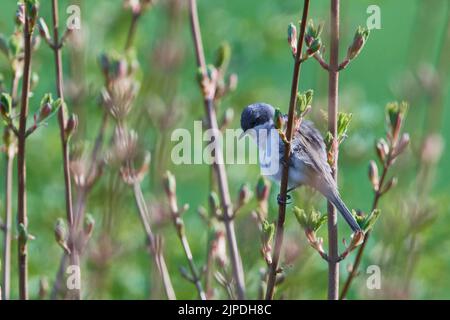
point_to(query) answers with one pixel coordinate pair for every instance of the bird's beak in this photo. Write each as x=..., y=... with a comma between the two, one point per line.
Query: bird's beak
x=243, y=134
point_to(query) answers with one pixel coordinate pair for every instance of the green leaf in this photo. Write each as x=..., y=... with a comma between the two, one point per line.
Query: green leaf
x=343, y=123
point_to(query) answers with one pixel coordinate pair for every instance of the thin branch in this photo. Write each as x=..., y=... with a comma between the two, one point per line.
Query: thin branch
x=9, y=169
x=21, y=164
x=6, y=267
x=357, y=262
x=272, y=277
x=65, y=145
x=333, y=102
x=155, y=249
x=322, y=62
x=218, y=165
x=179, y=226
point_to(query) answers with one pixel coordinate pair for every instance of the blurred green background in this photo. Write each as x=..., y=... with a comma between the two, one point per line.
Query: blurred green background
x=407, y=59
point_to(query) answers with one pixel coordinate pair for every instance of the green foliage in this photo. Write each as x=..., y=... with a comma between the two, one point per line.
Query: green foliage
x=366, y=222
x=310, y=220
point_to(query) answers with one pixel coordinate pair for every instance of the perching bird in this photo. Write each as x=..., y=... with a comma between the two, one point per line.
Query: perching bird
x=308, y=163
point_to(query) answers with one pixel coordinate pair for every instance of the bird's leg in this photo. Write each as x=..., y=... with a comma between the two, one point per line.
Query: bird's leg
x=286, y=201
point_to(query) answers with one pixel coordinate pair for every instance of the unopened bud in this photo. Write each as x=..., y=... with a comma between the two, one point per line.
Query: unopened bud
x=32, y=7
x=61, y=234
x=5, y=105
x=314, y=47
x=262, y=189
x=43, y=29
x=278, y=119
x=373, y=175
x=20, y=14
x=71, y=125
x=244, y=195
x=402, y=145
x=44, y=112
x=292, y=38
x=359, y=41
x=214, y=202
x=382, y=149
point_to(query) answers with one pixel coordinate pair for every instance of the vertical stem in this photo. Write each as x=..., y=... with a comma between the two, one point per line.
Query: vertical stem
x=179, y=226
x=151, y=239
x=65, y=148
x=333, y=101
x=6, y=268
x=218, y=165
x=9, y=168
x=21, y=164
x=273, y=270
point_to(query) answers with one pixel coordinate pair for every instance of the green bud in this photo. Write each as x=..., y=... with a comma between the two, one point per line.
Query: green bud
x=47, y=99
x=395, y=115
x=366, y=222
x=223, y=56
x=313, y=31
x=214, y=202
x=5, y=105
x=32, y=8
x=262, y=189
x=268, y=231
x=359, y=41
x=314, y=47
x=278, y=119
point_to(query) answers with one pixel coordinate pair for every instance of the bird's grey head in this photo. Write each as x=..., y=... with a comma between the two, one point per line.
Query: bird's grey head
x=256, y=114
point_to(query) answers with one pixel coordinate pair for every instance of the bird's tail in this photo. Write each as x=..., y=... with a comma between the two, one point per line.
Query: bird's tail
x=336, y=200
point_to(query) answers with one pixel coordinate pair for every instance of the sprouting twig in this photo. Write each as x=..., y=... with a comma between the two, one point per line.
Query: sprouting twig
x=219, y=168
x=272, y=276
x=179, y=226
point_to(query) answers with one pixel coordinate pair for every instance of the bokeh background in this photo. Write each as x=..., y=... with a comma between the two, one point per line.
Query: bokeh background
x=407, y=59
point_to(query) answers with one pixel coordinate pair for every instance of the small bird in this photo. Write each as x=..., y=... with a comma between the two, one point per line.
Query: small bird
x=308, y=163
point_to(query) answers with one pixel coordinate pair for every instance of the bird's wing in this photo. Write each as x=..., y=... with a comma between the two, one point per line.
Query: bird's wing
x=308, y=146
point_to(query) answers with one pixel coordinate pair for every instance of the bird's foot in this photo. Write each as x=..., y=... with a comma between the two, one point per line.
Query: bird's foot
x=284, y=201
